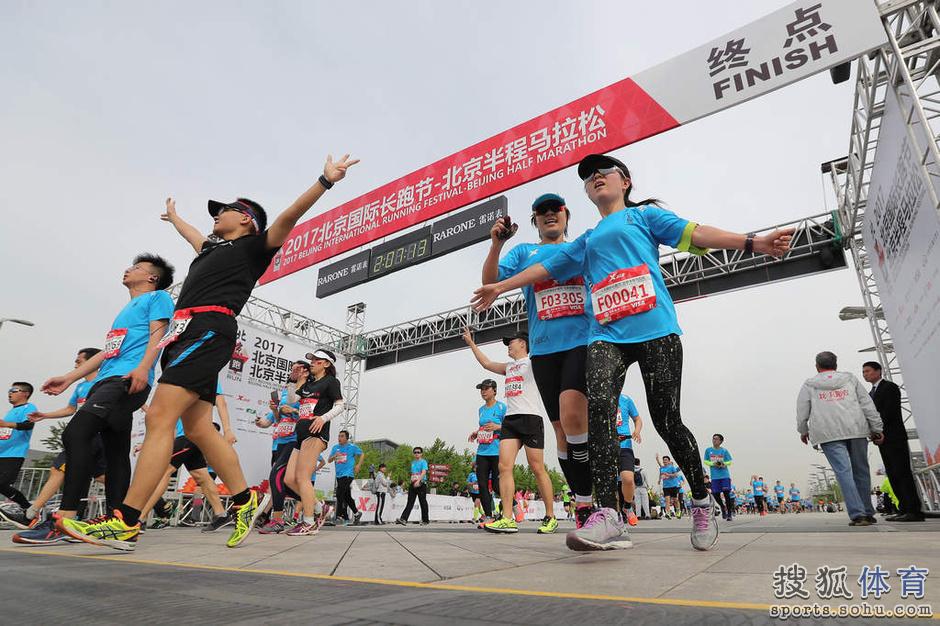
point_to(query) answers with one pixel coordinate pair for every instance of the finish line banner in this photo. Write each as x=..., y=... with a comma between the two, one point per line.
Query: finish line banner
x=788, y=45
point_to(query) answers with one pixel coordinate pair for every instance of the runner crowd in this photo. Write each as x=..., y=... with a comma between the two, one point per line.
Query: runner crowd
x=596, y=305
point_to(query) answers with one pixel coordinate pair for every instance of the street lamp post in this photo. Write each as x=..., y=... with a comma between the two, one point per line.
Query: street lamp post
x=15, y=321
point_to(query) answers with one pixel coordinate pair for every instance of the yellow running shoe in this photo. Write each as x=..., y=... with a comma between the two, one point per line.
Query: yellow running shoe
x=109, y=530
x=549, y=525
x=245, y=516
x=502, y=525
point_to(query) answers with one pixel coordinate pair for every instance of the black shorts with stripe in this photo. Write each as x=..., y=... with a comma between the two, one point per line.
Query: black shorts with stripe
x=186, y=453
x=194, y=360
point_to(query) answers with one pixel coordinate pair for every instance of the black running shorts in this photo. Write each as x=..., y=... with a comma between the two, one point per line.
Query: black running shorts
x=186, y=453
x=194, y=360
x=303, y=432
x=557, y=372
x=626, y=460
x=529, y=429
x=672, y=492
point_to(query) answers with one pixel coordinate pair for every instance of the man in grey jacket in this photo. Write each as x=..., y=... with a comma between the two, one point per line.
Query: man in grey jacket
x=835, y=411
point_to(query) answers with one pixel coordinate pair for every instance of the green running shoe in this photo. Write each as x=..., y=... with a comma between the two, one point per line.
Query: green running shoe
x=549, y=525
x=109, y=530
x=502, y=525
x=245, y=517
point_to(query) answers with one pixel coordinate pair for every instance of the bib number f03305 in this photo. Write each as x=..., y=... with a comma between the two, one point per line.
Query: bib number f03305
x=553, y=300
x=624, y=292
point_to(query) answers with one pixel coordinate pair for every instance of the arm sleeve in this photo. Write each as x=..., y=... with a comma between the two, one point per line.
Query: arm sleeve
x=338, y=407
x=509, y=264
x=161, y=307
x=803, y=406
x=570, y=262
x=875, y=424
x=671, y=230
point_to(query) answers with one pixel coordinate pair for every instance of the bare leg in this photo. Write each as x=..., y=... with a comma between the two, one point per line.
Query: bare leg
x=197, y=422
x=508, y=451
x=310, y=449
x=157, y=493
x=52, y=486
x=210, y=489
x=627, y=486
x=536, y=460
x=169, y=402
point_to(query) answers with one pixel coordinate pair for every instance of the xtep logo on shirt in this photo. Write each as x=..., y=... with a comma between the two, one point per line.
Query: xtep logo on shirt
x=533, y=252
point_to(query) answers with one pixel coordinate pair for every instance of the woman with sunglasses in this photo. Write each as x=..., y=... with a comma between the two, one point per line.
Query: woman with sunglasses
x=633, y=320
x=321, y=399
x=417, y=488
x=558, y=329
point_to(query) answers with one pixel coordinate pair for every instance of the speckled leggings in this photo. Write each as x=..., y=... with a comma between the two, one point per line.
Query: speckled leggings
x=660, y=363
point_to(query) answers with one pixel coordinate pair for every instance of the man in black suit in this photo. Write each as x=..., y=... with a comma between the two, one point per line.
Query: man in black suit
x=895, y=451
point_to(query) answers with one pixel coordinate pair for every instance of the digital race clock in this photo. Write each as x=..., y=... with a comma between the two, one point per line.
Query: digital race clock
x=401, y=252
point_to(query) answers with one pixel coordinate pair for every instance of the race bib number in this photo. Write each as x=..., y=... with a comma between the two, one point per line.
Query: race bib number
x=485, y=436
x=619, y=418
x=5, y=433
x=341, y=458
x=81, y=401
x=624, y=292
x=177, y=327
x=513, y=386
x=415, y=478
x=284, y=428
x=306, y=408
x=553, y=300
x=113, y=342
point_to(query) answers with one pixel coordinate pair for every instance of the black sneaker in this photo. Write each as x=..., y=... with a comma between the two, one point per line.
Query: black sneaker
x=356, y=518
x=187, y=523
x=400, y=521
x=16, y=515
x=143, y=527
x=217, y=523
x=159, y=523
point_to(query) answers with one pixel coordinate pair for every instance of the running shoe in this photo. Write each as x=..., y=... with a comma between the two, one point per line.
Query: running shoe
x=502, y=525
x=16, y=515
x=159, y=523
x=630, y=516
x=549, y=526
x=143, y=527
x=273, y=527
x=217, y=522
x=603, y=530
x=356, y=518
x=108, y=530
x=302, y=528
x=704, y=528
x=245, y=516
x=581, y=515
x=484, y=521
x=324, y=515
x=400, y=521
x=43, y=534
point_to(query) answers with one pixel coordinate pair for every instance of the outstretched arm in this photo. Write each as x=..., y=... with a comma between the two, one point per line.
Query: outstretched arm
x=184, y=228
x=285, y=222
x=775, y=243
x=482, y=359
x=484, y=297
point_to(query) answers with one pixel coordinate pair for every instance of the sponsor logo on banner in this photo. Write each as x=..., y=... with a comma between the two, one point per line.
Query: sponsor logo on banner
x=790, y=44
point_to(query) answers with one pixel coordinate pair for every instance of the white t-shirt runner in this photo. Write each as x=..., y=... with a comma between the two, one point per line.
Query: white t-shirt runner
x=522, y=393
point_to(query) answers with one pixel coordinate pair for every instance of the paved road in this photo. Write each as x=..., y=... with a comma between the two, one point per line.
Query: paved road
x=455, y=573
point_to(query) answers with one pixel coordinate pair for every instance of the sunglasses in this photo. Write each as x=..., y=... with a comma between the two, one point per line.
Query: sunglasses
x=417, y=452
x=549, y=207
x=603, y=171
x=229, y=208
x=15, y=390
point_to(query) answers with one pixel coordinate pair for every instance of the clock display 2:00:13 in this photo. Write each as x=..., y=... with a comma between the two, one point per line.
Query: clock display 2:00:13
x=403, y=255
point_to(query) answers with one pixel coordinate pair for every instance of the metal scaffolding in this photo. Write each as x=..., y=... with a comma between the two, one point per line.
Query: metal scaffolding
x=816, y=247
x=353, y=350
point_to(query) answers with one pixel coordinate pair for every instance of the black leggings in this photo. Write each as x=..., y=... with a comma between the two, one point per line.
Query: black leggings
x=487, y=469
x=421, y=493
x=759, y=503
x=725, y=502
x=379, y=506
x=9, y=471
x=660, y=363
x=344, y=497
x=279, y=488
x=78, y=439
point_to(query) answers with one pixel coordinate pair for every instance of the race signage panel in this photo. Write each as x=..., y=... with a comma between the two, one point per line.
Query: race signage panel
x=467, y=227
x=788, y=45
x=902, y=235
x=343, y=274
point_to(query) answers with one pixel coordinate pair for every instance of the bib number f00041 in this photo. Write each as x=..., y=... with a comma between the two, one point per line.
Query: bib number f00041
x=553, y=300
x=624, y=292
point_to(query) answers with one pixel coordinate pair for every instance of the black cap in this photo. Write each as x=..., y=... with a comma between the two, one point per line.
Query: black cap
x=243, y=205
x=521, y=334
x=487, y=382
x=592, y=162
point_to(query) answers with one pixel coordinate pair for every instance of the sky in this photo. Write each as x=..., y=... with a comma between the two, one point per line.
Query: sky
x=112, y=107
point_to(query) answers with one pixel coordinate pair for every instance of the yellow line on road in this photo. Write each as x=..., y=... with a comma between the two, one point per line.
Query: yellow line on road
x=712, y=604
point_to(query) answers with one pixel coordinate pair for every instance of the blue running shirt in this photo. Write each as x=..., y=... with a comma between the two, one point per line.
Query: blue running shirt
x=718, y=454
x=14, y=444
x=127, y=340
x=626, y=410
x=488, y=441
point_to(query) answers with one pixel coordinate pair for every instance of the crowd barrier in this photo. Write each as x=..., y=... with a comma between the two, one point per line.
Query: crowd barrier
x=440, y=508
